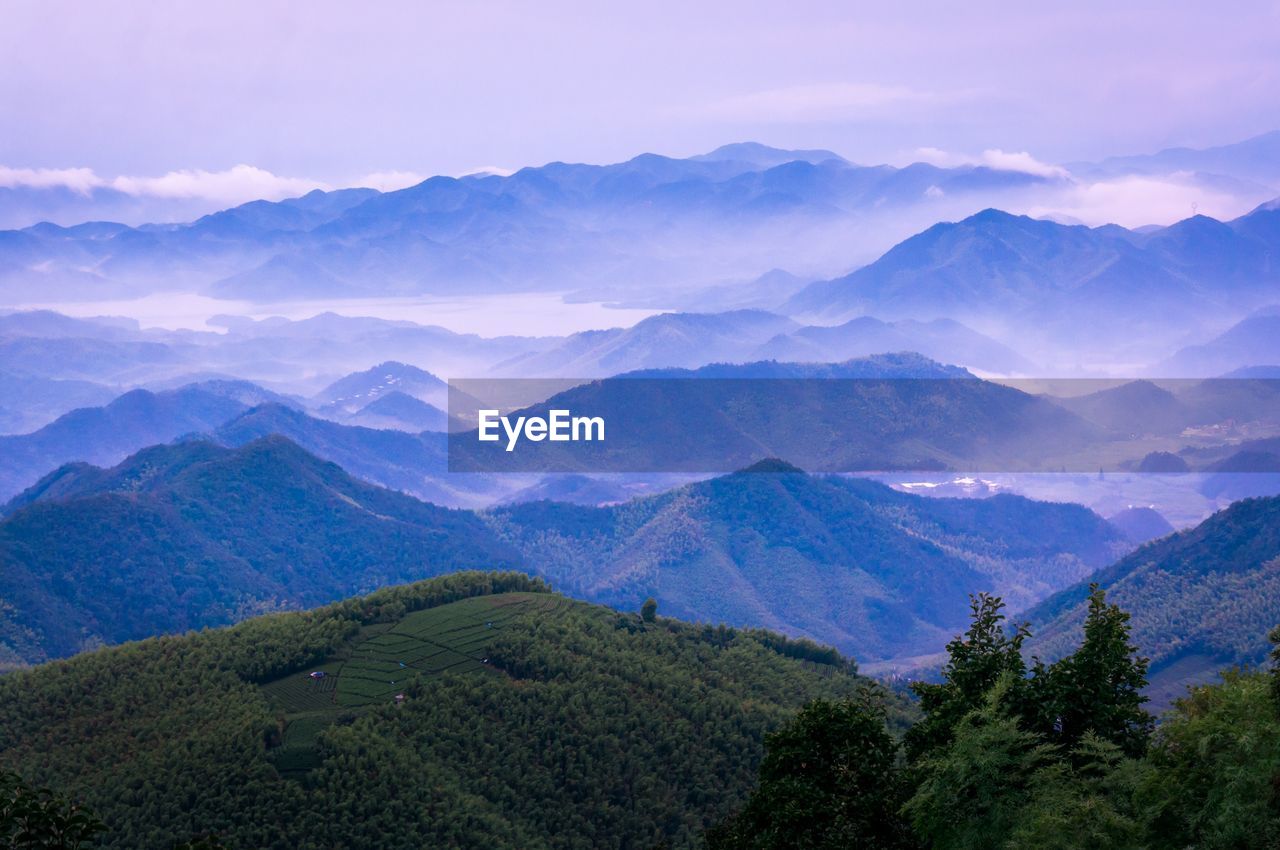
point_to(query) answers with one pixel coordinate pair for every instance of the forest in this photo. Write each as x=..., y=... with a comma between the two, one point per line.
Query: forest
x=569, y=726
x=526, y=719
x=1003, y=755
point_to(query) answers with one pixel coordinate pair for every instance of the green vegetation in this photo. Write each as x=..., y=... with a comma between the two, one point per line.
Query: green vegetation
x=193, y=535
x=481, y=710
x=39, y=819
x=584, y=727
x=1200, y=600
x=850, y=562
x=828, y=781
x=1064, y=757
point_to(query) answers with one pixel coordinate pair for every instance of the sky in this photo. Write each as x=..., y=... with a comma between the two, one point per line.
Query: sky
x=244, y=99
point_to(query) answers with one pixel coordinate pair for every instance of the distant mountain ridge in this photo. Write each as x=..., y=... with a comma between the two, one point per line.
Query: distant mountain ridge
x=194, y=534
x=1076, y=285
x=105, y=435
x=1257, y=159
x=553, y=226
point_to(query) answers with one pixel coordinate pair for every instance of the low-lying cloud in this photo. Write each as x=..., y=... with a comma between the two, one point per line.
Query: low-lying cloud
x=234, y=185
x=993, y=158
x=1135, y=200
x=1128, y=200
x=82, y=181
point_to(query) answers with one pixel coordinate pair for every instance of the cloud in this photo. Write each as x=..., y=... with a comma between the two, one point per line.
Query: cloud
x=1130, y=200
x=486, y=170
x=994, y=158
x=817, y=102
x=389, y=181
x=1136, y=200
x=235, y=185
x=82, y=181
x=224, y=188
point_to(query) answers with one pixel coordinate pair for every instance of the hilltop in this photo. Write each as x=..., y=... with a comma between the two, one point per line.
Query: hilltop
x=527, y=720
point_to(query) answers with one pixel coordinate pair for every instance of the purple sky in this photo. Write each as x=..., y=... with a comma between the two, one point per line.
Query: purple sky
x=332, y=91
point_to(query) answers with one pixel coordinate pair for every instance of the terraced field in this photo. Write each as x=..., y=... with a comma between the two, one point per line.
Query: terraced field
x=375, y=666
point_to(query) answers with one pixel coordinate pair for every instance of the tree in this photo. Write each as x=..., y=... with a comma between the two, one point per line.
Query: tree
x=1215, y=779
x=1085, y=803
x=1098, y=688
x=828, y=780
x=971, y=790
x=1275, y=667
x=977, y=660
x=39, y=819
x=649, y=610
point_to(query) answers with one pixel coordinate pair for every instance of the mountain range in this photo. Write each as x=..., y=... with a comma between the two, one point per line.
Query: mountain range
x=691, y=340
x=104, y=435
x=845, y=561
x=555, y=226
x=194, y=534
x=1253, y=160
x=1065, y=287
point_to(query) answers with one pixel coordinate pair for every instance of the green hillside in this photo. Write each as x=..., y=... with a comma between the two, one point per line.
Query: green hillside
x=1201, y=600
x=192, y=535
x=850, y=562
x=528, y=720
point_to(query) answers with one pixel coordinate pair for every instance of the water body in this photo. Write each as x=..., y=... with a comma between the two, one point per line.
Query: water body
x=523, y=314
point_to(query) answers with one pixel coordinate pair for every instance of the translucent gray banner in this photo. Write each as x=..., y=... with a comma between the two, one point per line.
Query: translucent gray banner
x=658, y=423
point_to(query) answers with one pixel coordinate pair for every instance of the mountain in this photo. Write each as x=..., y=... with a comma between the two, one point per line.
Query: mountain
x=654, y=223
x=105, y=435
x=28, y=403
x=1162, y=463
x=1254, y=341
x=98, y=360
x=416, y=464
x=357, y=390
x=1200, y=600
x=945, y=340
x=760, y=155
x=1141, y=524
x=1136, y=407
x=846, y=561
x=1253, y=159
x=527, y=720
x=574, y=490
x=1255, y=372
x=403, y=412
x=1074, y=283
x=1252, y=471
x=666, y=340
x=191, y=535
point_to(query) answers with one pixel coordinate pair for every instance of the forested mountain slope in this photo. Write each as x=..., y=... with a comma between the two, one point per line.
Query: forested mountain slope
x=192, y=535
x=1201, y=600
x=527, y=721
x=848, y=561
